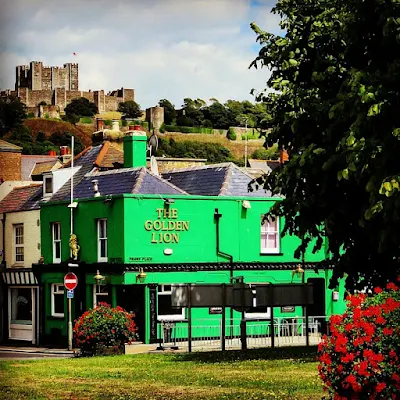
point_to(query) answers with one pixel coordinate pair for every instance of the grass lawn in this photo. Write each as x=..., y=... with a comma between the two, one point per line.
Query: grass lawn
x=289, y=373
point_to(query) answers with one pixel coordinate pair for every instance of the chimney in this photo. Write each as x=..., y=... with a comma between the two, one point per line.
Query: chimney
x=135, y=148
x=283, y=156
x=96, y=192
x=99, y=124
x=115, y=125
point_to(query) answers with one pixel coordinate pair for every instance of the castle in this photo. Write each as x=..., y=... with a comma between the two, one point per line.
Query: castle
x=56, y=87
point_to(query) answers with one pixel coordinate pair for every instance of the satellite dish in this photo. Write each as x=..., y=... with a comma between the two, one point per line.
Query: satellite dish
x=152, y=144
x=154, y=166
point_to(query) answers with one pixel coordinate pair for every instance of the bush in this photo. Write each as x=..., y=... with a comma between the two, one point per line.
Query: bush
x=231, y=134
x=360, y=359
x=162, y=128
x=103, y=327
x=272, y=153
x=124, y=123
x=86, y=120
x=30, y=115
x=107, y=122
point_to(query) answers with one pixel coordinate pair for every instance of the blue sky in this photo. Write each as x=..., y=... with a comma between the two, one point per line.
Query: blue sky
x=162, y=48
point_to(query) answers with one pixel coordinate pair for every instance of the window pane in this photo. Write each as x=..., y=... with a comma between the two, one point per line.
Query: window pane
x=59, y=303
x=102, y=228
x=19, y=254
x=48, y=185
x=21, y=306
x=103, y=248
x=56, y=231
x=165, y=306
x=57, y=250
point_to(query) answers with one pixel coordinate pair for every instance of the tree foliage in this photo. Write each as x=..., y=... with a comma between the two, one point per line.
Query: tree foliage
x=81, y=107
x=12, y=114
x=335, y=107
x=169, y=111
x=130, y=109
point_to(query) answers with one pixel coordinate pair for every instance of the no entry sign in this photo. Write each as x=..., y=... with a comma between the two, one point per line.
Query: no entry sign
x=70, y=281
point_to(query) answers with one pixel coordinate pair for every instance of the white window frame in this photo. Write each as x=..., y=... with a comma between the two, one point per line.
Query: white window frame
x=264, y=233
x=18, y=245
x=45, y=179
x=101, y=258
x=171, y=317
x=57, y=289
x=56, y=241
x=98, y=294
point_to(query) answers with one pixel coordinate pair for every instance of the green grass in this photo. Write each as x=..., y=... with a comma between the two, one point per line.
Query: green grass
x=256, y=374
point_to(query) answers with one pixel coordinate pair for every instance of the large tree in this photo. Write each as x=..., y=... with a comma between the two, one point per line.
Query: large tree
x=130, y=109
x=81, y=107
x=12, y=114
x=335, y=107
x=170, y=113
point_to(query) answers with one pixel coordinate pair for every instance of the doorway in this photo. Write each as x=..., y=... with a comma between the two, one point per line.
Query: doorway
x=21, y=313
x=318, y=308
x=131, y=298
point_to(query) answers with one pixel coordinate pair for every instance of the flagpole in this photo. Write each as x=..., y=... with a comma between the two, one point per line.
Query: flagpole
x=72, y=231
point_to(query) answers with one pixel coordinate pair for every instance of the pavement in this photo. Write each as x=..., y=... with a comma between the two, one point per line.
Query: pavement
x=19, y=352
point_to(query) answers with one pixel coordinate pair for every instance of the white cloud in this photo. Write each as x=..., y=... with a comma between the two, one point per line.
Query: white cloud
x=162, y=48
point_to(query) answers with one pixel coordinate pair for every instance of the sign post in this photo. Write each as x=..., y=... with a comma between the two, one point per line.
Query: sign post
x=70, y=283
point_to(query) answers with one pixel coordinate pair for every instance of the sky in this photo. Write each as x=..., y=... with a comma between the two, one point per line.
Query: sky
x=162, y=48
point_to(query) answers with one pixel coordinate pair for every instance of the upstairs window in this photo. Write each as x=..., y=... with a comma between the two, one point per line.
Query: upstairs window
x=19, y=243
x=102, y=240
x=57, y=300
x=270, y=236
x=56, y=231
x=47, y=186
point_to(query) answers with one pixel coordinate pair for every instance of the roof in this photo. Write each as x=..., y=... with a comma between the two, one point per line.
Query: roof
x=28, y=163
x=6, y=146
x=24, y=198
x=45, y=166
x=125, y=180
x=109, y=155
x=224, y=179
x=85, y=160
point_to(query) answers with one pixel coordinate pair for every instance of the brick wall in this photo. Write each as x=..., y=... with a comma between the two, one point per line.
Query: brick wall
x=10, y=166
x=31, y=237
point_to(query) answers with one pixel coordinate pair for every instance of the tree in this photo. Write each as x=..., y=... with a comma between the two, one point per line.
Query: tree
x=130, y=109
x=218, y=114
x=335, y=107
x=64, y=139
x=191, y=109
x=169, y=111
x=81, y=107
x=12, y=113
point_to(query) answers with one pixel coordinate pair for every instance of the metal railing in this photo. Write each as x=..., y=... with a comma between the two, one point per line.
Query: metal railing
x=207, y=334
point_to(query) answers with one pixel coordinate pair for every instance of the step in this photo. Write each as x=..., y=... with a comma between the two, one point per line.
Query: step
x=139, y=347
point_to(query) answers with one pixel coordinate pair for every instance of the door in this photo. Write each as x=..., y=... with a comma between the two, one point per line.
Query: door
x=131, y=298
x=21, y=313
x=318, y=309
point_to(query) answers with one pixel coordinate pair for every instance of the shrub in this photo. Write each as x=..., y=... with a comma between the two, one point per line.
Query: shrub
x=360, y=359
x=30, y=115
x=231, y=134
x=124, y=123
x=103, y=327
x=189, y=129
x=162, y=128
x=86, y=120
x=107, y=122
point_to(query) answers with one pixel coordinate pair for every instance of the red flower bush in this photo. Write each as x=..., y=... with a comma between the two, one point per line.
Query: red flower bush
x=103, y=328
x=360, y=358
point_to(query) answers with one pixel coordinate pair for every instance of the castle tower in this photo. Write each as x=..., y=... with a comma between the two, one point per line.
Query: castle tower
x=72, y=78
x=35, y=75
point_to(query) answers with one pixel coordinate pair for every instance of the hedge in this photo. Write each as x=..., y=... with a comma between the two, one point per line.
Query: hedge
x=189, y=129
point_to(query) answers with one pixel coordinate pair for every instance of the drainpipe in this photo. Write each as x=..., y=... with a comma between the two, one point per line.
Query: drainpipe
x=217, y=216
x=3, y=220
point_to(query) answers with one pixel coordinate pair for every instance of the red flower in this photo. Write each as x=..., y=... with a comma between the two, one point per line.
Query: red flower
x=392, y=286
x=388, y=331
x=377, y=290
x=380, y=386
x=349, y=357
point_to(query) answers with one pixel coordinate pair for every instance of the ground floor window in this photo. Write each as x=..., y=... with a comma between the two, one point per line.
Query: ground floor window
x=257, y=312
x=101, y=295
x=165, y=310
x=57, y=300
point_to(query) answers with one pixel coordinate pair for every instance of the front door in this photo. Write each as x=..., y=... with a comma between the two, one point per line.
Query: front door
x=21, y=313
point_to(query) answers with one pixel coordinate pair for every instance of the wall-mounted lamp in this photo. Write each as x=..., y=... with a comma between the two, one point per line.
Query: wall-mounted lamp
x=335, y=295
x=98, y=278
x=73, y=205
x=298, y=271
x=96, y=192
x=141, y=276
x=107, y=200
x=169, y=201
x=246, y=204
x=168, y=252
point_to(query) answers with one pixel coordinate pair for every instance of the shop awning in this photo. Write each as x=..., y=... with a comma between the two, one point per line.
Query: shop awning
x=19, y=277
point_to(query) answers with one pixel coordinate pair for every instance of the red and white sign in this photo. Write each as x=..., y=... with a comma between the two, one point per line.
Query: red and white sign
x=70, y=281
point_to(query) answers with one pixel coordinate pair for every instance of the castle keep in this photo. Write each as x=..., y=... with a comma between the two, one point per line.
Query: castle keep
x=58, y=86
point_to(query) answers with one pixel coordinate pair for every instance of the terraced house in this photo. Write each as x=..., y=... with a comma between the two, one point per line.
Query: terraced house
x=142, y=232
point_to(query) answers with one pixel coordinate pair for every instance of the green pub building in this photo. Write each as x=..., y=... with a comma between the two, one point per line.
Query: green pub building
x=144, y=232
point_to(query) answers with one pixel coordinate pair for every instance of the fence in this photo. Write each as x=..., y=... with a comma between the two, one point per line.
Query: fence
x=207, y=334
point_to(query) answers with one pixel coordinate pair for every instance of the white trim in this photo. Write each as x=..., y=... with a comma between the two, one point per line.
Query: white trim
x=56, y=260
x=45, y=179
x=101, y=258
x=19, y=245
x=168, y=317
x=56, y=291
x=264, y=230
